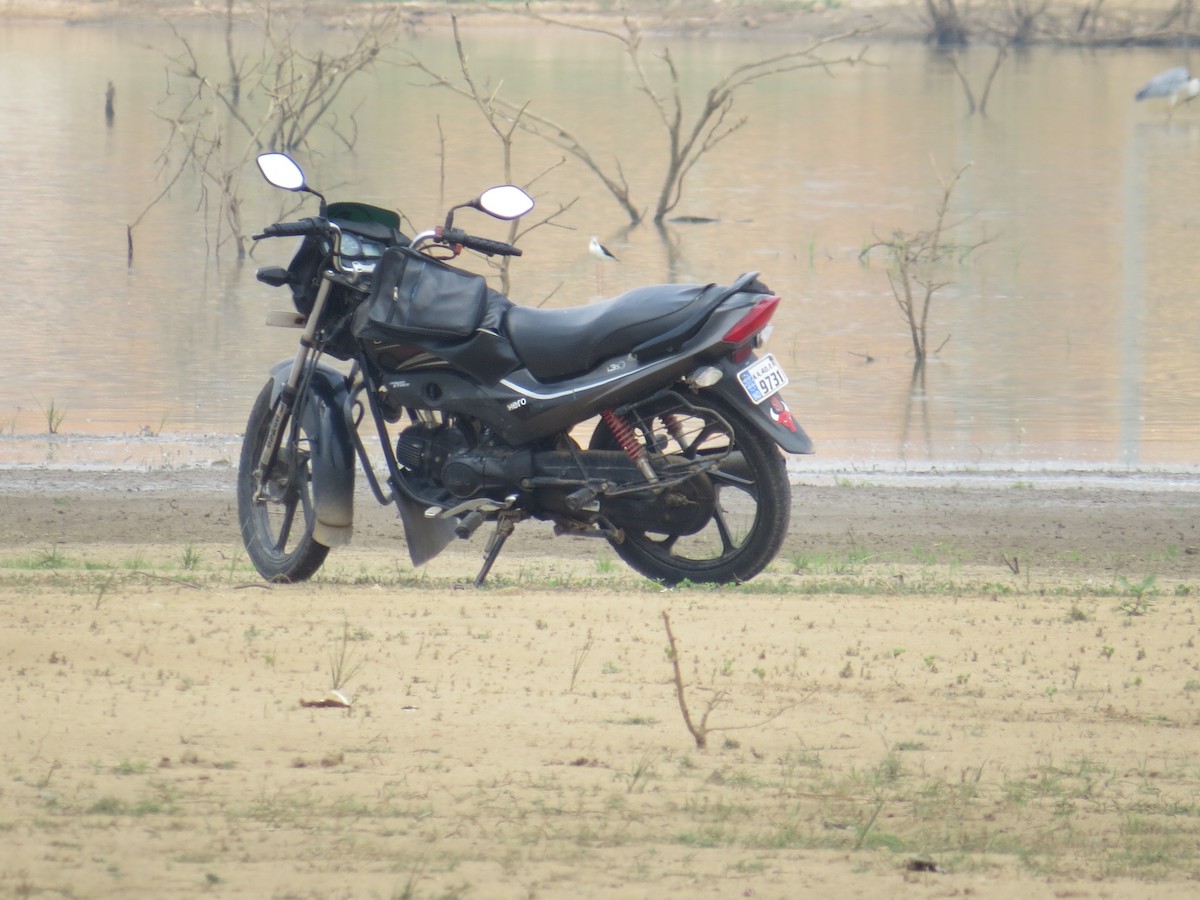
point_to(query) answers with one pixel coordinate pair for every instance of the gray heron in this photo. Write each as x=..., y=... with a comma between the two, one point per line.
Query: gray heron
x=1177, y=85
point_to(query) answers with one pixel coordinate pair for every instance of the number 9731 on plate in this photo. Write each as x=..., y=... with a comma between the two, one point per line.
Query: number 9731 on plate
x=762, y=378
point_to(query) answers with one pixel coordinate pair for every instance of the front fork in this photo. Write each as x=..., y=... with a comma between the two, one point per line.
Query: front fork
x=290, y=391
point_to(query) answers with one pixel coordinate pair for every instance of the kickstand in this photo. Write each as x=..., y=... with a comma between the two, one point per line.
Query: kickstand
x=505, y=524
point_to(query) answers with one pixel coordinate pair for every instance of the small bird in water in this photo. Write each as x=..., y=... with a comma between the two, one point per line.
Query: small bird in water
x=599, y=251
x=603, y=255
x=1176, y=84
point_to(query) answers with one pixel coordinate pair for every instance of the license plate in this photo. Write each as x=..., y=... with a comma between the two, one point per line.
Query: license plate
x=762, y=378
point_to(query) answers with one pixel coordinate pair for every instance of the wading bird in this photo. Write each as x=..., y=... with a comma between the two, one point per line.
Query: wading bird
x=603, y=255
x=599, y=251
x=1176, y=84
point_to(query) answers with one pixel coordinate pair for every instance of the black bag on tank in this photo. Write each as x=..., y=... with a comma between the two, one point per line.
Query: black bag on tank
x=416, y=296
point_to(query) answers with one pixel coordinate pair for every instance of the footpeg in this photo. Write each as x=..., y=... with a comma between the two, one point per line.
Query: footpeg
x=468, y=524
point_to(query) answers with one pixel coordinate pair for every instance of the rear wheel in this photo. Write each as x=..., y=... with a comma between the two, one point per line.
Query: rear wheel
x=276, y=514
x=752, y=500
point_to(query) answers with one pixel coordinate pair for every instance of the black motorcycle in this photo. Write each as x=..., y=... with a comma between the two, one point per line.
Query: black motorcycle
x=647, y=419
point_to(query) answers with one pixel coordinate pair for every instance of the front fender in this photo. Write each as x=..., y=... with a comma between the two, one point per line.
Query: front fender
x=772, y=416
x=333, y=455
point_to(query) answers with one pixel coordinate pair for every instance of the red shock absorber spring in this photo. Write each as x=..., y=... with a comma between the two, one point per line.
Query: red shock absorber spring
x=623, y=432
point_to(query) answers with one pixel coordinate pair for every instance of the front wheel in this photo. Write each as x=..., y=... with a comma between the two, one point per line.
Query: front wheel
x=276, y=513
x=751, y=503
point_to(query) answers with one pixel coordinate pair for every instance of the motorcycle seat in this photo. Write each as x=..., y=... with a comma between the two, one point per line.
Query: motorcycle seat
x=650, y=320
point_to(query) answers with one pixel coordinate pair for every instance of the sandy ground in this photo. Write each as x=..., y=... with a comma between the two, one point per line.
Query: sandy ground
x=946, y=686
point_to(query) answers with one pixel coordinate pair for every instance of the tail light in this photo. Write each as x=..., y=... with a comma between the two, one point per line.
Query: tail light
x=748, y=326
x=752, y=322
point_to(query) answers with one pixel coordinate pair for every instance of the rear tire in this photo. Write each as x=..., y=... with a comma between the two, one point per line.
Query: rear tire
x=752, y=505
x=277, y=521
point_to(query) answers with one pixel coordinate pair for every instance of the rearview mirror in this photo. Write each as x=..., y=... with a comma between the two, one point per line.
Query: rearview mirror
x=282, y=171
x=506, y=201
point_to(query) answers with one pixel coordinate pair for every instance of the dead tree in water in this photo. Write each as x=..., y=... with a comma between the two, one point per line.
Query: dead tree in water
x=946, y=25
x=917, y=261
x=980, y=105
x=689, y=141
x=274, y=101
x=504, y=127
x=690, y=136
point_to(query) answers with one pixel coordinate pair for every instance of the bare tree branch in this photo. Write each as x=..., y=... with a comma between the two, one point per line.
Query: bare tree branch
x=504, y=120
x=215, y=130
x=916, y=259
x=686, y=144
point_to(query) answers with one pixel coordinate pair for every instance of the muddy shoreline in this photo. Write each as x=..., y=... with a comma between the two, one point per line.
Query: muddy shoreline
x=1100, y=527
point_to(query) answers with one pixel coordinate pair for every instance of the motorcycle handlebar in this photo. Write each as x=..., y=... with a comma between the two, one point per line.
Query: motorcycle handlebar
x=302, y=228
x=482, y=245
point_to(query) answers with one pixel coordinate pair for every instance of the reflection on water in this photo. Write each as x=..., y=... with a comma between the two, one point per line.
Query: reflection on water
x=1068, y=338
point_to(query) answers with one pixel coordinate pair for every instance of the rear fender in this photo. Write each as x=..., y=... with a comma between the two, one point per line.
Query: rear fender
x=772, y=417
x=333, y=455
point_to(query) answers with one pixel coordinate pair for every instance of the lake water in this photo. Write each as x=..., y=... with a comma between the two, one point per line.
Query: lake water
x=1068, y=339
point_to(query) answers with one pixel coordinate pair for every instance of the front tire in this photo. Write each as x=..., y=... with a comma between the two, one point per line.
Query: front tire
x=276, y=514
x=752, y=503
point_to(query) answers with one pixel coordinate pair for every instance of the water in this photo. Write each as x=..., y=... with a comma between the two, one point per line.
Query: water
x=1067, y=336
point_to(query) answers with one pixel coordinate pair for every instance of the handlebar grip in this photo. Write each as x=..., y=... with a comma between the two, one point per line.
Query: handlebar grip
x=302, y=228
x=491, y=248
x=479, y=244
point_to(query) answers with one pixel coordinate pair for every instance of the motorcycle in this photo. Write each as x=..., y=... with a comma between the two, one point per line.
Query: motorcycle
x=481, y=407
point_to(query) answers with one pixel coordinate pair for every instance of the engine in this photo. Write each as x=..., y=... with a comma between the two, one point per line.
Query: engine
x=425, y=448
x=450, y=458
